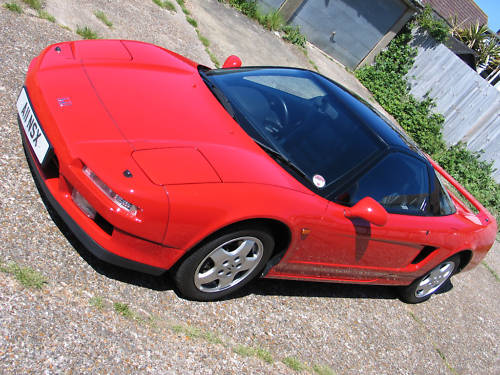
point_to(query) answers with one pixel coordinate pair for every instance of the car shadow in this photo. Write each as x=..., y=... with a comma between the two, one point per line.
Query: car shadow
x=159, y=283
x=263, y=287
x=293, y=288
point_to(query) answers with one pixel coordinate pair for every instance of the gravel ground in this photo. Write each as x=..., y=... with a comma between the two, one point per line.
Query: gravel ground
x=72, y=326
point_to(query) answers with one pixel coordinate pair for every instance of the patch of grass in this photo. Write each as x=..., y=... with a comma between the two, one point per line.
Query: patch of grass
x=264, y=355
x=66, y=27
x=103, y=18
x=492, y=271
x=46, y=16
x=182, y=4
x=244, y=350
x=294, y=363
x=123, y=309
x=315, y=67
x=165, y=4
x=35, y=4
x=97, y=302
x=203, y=40
x=197, y=333
x=213, y=58
x=86, y=32
x=13, y=7
x=192, y=21
x=272, y=20
x=27, y=276
x=247, y=351
x=323, y=370
x=443, y=357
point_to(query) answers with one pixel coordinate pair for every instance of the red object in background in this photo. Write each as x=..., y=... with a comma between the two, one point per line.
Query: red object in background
x=176, y=181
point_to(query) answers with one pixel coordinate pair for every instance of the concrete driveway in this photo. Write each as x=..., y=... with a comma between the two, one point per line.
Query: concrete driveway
x=77, y=322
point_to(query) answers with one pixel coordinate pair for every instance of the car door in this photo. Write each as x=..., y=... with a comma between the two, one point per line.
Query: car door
x=354, y=249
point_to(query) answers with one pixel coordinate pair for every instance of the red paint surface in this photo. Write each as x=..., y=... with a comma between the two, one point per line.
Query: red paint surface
x=142, y=108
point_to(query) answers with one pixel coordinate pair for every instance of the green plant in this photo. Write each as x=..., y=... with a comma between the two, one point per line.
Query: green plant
x=293, y=35
x=35, y=4
x=102, y=17
x=248, y=8
x=272, y=20
x=27, y=276
x=97, y=302
x=46, y=16
x=437, y=28
x=165, y=4
x=213, y=58
x=86, y=33
x=192, y=21
x=323, y=370
x=248, y=351
x=386, y=80
x=480, y=40
x=13, y=7
x=491, y=270
x=204, y=40
x=183, y=7
x=123, y=309
x=197, y=333
x=294, y=363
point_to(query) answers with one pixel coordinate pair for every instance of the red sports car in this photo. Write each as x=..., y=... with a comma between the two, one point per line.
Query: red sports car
x=156, y=163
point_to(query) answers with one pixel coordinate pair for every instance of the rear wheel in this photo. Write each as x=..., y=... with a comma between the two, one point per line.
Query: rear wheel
x=424, y=287
x=224, y=264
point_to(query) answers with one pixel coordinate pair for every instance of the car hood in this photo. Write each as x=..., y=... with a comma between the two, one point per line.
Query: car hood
x=155, y=101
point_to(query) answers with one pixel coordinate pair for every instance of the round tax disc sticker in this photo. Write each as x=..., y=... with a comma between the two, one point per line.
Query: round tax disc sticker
x=319, y=180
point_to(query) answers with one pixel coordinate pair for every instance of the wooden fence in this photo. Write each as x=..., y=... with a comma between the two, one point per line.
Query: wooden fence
x=470, y=105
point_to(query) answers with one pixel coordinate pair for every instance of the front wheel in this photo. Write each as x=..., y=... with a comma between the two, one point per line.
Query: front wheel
x=224, y=264
x=424, y=287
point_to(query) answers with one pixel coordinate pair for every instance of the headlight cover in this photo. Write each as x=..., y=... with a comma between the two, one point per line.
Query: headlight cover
x=119, y=201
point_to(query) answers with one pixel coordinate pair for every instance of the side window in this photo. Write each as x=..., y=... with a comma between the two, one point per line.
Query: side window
x=398, y=182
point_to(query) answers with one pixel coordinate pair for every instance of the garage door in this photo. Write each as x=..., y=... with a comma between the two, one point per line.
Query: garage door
x=347, y=29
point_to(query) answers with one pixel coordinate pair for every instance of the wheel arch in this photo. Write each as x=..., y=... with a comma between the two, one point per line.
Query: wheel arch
x=280, y=231
x=465, y=258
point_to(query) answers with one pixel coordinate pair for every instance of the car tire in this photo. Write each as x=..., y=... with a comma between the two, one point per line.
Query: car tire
x=224, y=264
x=424, y=287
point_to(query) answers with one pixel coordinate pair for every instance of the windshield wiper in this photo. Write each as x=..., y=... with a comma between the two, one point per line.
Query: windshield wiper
x=276, y=155
x=219, y=95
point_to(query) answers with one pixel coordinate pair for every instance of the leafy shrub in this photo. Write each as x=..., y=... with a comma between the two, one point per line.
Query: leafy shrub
x=248, y=8
x=386, y=80
x=271, y=21
x=437, y=28
x=294, y=36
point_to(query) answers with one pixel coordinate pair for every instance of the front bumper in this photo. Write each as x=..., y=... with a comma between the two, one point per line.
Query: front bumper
x=87, y=241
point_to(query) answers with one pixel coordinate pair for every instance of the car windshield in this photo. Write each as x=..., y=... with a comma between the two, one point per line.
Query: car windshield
x=315, y=126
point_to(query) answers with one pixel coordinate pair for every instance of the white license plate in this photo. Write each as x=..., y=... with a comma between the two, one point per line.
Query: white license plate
x=34, y=133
